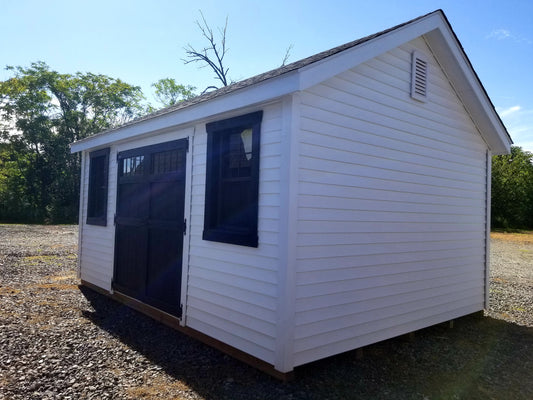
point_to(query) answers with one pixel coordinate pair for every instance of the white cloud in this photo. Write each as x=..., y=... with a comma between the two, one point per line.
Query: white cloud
x=499, y=34
x=519, y=124
x=508, y=111
x=503, y=34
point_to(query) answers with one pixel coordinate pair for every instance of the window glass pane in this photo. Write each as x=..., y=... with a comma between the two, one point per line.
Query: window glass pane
x=132, y=166
x=237, y=161
x=166, y=161
x=246, y=137
x=97, y=186
x=232, y=180
x=97, y=193
x=234, y=202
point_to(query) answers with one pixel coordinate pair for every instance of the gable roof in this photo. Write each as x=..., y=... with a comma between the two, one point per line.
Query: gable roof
x=309, y=71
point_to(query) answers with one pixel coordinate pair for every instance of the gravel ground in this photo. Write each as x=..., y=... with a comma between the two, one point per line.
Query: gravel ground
x=58, y=341
x=511, y=278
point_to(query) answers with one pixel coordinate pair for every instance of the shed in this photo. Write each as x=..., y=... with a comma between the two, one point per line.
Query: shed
x=320, y=207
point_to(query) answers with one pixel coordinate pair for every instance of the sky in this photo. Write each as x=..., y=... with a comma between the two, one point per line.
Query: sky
x=141, y=42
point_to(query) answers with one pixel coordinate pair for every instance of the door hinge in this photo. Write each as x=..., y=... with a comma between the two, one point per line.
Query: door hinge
x=181, y=311
x=115, y=219
x=184, y=226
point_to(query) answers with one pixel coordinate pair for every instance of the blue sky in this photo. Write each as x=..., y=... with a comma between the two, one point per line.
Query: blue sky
x=142, y=41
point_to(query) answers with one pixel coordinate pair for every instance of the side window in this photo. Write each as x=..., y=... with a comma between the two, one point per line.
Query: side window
x=97, y=199
x=232, y=180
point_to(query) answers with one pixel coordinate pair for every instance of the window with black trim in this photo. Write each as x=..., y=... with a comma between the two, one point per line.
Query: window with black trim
x=232, y=180
x=98, y=177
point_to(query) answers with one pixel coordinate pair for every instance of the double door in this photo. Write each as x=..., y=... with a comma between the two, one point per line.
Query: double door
x=149, y=224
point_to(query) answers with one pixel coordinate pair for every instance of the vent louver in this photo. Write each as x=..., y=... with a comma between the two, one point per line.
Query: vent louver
x=419, y=76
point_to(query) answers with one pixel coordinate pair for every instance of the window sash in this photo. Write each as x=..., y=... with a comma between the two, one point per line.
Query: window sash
x=232, y=180
x=98, y=187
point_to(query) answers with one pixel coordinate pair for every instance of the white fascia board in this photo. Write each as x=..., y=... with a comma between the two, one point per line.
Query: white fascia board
x=246, y=97
x=457, y=68
x=329, y=67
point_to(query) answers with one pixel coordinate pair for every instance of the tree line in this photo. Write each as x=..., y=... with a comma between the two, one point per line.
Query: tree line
x=42, y=111
x=512, y=190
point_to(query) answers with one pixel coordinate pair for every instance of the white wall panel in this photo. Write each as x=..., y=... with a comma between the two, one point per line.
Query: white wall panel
x=232, y=289
x=391, y=218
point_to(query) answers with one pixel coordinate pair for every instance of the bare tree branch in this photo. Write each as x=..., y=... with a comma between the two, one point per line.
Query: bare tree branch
x=287, y=55
x=213, y=54
x=209, y=87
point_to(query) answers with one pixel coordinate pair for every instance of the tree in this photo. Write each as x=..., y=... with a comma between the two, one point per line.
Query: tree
x=512, y=189
x=41, y=113
x=168, y=92
x=213, y=54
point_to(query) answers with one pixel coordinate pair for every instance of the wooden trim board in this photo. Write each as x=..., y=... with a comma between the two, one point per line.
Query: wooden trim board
x=173, y=322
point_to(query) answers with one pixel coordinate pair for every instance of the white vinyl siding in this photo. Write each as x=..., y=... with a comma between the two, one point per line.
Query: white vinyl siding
x=97, y=242
x=232, y=289
x=391, y=218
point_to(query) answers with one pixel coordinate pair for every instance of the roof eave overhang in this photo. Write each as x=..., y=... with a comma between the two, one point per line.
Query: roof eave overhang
x=247, y=97
x=450, y=55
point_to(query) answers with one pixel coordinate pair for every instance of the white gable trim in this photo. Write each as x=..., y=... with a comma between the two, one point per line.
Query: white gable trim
x=463, y=78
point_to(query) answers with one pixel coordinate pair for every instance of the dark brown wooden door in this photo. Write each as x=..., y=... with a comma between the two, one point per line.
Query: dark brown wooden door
x=150, y=224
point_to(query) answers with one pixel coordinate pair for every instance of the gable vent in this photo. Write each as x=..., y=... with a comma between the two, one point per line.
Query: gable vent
x=419, y=76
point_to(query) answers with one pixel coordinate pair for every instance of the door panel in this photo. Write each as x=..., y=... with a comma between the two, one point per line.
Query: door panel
x=131, y=257
x=164, y=275
x=149, y=224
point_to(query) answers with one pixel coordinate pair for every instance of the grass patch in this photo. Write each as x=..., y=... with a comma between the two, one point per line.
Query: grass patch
x=158, y=388
x=32, y=261
x=515, y=237
x=63, y=277
x=58, y=286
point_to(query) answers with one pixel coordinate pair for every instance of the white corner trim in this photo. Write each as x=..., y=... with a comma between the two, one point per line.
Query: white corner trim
x=285, y=307
x=81, y=212
x=487, y=233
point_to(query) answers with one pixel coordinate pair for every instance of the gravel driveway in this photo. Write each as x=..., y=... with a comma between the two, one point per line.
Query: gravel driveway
x=58, y=341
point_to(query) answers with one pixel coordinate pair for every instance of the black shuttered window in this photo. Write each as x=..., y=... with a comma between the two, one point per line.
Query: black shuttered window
x=232, y=180
x=98, y=177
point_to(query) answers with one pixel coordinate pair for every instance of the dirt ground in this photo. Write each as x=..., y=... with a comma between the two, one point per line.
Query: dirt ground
x=59, y=341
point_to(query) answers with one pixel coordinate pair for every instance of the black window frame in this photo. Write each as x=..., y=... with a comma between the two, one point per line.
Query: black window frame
x=218, y=138
x=98, y=191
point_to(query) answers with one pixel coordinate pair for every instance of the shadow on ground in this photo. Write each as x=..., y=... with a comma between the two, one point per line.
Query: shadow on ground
x=479, y=358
